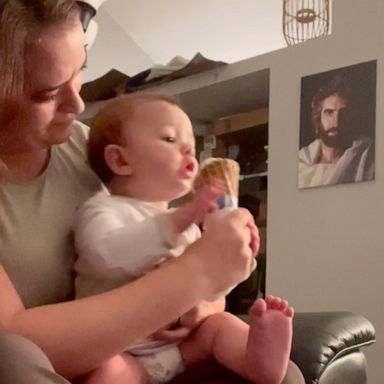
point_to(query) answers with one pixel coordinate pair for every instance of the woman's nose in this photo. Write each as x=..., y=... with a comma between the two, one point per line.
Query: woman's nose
x=71, y=101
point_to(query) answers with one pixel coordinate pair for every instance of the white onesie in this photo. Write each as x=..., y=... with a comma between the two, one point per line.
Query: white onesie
x=118, y=239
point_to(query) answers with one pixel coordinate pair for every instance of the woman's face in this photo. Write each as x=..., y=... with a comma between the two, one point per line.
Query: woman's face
x=44, y=115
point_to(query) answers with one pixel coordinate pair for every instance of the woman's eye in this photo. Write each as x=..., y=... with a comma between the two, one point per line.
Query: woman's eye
x=51, y=97
x=45, y=98
x=169, y=139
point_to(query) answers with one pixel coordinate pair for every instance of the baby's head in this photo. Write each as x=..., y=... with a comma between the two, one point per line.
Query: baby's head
x=110, y=126
x=147, y=141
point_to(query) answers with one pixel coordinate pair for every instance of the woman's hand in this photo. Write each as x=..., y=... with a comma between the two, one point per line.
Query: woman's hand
x=226, y=249
x=174, y=335
x=190, y=320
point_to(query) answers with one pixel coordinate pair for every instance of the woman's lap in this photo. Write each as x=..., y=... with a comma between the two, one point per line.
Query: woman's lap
x=22, y=362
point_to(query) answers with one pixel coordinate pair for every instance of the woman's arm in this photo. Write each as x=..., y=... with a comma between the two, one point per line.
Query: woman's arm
x=78, y=335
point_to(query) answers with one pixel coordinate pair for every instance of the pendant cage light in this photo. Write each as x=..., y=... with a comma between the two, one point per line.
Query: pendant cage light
x=304, y=20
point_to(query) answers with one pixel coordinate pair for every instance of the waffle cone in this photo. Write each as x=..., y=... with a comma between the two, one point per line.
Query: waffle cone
x=227, y=170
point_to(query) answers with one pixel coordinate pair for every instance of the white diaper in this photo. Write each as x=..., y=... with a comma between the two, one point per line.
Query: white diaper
x=164, y=365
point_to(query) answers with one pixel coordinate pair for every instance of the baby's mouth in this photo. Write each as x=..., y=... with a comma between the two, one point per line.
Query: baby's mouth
x=190, y=167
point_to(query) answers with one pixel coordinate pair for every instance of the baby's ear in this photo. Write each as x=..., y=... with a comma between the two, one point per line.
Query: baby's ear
x=117, y=162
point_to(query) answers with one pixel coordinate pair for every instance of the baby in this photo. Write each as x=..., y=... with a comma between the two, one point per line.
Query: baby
x=143, y=148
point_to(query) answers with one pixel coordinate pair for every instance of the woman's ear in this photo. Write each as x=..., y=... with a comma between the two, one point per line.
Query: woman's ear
x=116, y=160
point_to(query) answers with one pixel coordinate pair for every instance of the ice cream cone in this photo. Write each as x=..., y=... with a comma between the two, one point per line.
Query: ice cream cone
x=228, y=171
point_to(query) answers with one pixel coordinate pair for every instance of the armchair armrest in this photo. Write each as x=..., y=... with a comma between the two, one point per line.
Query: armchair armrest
x=320, y=338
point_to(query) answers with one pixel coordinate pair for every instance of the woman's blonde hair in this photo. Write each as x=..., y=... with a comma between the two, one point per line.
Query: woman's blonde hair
x=21, y=21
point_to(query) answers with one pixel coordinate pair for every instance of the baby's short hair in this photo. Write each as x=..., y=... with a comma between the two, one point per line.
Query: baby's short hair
x=107, y=127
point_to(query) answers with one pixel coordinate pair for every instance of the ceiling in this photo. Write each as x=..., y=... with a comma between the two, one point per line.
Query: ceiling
x=226, y=30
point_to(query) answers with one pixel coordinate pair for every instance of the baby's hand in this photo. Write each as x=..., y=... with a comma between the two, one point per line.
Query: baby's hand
x=203, y=202
x=175, y=335
x=206, y=196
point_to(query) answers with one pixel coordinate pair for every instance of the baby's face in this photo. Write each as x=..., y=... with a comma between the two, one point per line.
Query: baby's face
x=161, y=151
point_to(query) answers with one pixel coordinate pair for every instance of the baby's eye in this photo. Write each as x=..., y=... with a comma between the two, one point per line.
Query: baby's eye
x=169, y=139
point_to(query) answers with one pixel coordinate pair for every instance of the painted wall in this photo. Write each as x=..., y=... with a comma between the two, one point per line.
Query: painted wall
x=114, y=48
x=326, y=245
x=226, y=30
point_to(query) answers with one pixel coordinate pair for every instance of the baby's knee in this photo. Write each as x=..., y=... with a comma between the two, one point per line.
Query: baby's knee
x=119, y=369
x=104, y=373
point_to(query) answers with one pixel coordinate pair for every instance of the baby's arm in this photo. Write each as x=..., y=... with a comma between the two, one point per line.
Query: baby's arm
x=203, y=202
x=116, y=243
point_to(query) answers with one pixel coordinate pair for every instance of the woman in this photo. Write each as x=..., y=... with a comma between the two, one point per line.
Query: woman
x=45, y=178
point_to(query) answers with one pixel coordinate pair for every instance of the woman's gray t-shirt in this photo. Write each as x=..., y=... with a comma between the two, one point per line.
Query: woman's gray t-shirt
x=36, y=218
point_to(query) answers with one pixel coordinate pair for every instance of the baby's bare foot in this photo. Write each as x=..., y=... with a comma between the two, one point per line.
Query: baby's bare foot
x=269, y=340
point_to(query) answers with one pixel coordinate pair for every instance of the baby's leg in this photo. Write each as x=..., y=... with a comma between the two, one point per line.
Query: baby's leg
x=259, y=352
x=120, y=369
